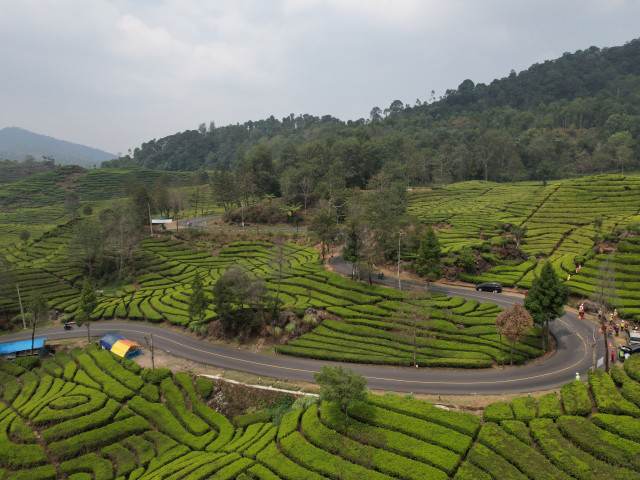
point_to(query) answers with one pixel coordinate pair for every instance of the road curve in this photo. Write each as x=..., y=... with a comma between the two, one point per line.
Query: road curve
x=573, y=354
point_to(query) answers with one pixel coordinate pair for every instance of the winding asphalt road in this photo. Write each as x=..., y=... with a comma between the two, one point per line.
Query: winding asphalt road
x=573, y=354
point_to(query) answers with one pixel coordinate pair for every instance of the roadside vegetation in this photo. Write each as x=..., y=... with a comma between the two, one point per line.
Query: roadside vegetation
x=85, y=413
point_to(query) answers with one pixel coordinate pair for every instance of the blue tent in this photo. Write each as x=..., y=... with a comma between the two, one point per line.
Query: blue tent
x=21, y=348
x=109, y=339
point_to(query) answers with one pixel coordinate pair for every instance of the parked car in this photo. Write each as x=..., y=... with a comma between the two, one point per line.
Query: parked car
x=495, y=287
x=630, y=348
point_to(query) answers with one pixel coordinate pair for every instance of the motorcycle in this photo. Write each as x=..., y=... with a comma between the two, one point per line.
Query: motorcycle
x=66, y=326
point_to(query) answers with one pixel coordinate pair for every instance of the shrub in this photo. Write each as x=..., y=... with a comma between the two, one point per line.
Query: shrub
x=101, y=468
x=600, y=443
x=283, y=466
x=497, y=412
x=15, y=455
x=155, y=376
x=242, y=421
x=632, y=367
x=28, y=363
x=490, y=461
x=607, y=397
x=518, y=429
x=150, y=392
x=575, y=399
x=549, y=406
x=574, y=461
x=527, y=459
x=384, y=461
x=465, y=423
x=83, y=423
x=289, y=423
x=99, y=437
x=397, y=442
x=622, y=425
x=160, y=416
x=524, y=408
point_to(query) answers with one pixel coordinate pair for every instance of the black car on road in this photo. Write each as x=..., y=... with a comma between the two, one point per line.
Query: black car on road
x=494, y=287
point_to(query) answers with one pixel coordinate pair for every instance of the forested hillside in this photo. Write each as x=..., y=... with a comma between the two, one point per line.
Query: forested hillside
x=578, y=114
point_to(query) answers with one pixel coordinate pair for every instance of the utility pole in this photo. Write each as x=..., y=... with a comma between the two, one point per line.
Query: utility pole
x=151, y=348
x=594, y=347
x=400, y=234
x=603, y=328
x=150, y=223
x=24, y=322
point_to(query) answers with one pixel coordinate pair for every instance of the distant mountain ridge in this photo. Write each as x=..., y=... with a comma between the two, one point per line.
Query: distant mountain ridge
x=16, y=144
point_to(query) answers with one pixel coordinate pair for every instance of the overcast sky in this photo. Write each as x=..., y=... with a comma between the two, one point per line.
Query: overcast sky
x=112, y=74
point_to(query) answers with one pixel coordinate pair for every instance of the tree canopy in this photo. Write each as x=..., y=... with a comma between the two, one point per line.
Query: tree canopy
x=341, y=385
x=547, y=297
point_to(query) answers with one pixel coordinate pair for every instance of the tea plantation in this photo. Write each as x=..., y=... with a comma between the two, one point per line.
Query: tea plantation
x=561, y=220
x=364, y=328
x=87, y=414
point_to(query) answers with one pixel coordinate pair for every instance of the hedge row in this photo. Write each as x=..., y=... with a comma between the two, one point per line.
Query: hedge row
x=175, y=401
x=160, y=416
x=396, y=442
x=527, y=459
x=607, y=397
x=284, y=467
x=600, y=443
x=67, y=407
x=412, y=426
x=98, y=437
x=18, y=455
x=109, y=365
x=322, y=462
x=110, y=385
x=465, y=423
x=78, y=425
x=575, y=399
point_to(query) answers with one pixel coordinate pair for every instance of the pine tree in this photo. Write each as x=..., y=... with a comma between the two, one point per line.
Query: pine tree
x=428, y=259
x=198, y=299
x=546, y=299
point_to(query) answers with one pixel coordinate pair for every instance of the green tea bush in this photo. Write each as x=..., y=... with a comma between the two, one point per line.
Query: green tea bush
x=528, y=460
x=574, y=461
x=489, y=461
x=155, y=376
x=524, y=408
x=383, y=461
x=607, y=397
x=28, y=363
x=600, y=443
x=497, y=412
x=549, y=406
x=518, y=429
x=284, y=467
x=396, y=442
x=98, y=437
x=575, y=399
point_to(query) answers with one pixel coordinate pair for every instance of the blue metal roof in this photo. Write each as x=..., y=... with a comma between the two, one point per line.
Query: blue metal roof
x=20, y=346
x=109, y=339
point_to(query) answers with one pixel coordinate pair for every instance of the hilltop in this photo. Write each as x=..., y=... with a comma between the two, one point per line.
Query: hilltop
x=18, y=144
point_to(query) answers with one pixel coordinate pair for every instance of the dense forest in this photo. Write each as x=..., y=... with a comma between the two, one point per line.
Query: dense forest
x=578, y=114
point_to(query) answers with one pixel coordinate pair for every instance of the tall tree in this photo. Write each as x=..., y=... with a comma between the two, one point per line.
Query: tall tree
x=198, y=299
x=427, y=263
x=38, y=309
x=88, y=303
x=546, y=299
x=324, y=228
x=343, y=386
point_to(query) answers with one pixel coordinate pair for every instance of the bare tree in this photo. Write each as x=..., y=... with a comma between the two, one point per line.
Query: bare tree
x=513, y=323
